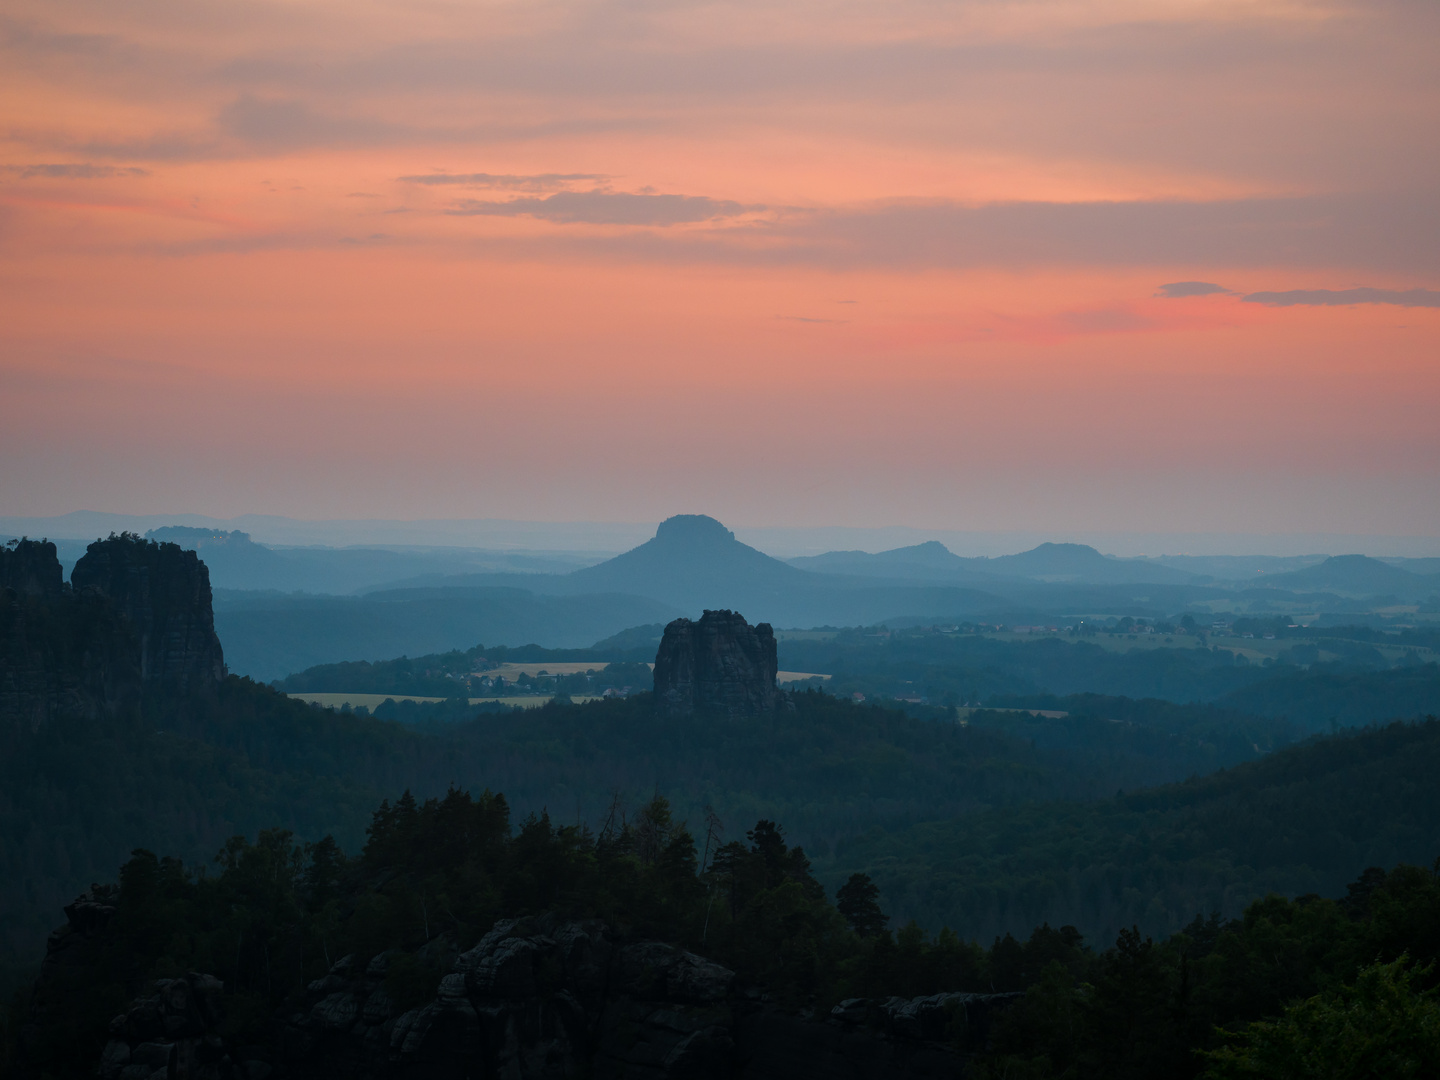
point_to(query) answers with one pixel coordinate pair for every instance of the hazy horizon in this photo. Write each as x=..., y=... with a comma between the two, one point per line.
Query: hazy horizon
x=781, y=541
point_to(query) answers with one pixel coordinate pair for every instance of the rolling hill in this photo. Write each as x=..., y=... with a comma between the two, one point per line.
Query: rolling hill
x=269, y=636
x=1358, y=575
x=1306, y=819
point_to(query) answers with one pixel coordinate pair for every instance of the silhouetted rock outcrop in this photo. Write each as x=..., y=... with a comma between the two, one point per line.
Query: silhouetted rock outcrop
x=31, y=568
x=164, y=592
x=136, y=613
x=538, y=997
x=720, y=664
x=61, y=655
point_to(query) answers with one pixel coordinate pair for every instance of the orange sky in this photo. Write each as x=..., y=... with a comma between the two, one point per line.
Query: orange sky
x=786, y=263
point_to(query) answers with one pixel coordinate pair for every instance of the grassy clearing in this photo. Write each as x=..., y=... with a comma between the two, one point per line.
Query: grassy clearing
x=798, y=676
x=510, y=672
x=370, y=701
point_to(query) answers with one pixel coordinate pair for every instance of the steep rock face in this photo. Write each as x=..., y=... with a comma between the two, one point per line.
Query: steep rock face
x=61, y=655
x=31, y=568
x=720, y=664
x=539, y=997
x=165, y=594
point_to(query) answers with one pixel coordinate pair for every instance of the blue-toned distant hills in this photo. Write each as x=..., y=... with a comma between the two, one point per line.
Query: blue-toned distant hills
x=693, y=563
x=280, y=610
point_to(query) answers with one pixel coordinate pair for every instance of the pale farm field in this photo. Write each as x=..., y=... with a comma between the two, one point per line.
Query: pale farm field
x=510, y=672
x=370, y=701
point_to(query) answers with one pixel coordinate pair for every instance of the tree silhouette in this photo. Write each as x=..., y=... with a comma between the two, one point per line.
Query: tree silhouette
x=859, y=901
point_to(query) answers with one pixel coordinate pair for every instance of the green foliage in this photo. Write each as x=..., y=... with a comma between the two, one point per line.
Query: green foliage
x=1382, y=1027
x=1225, y=993
x=434, y=875
x=856, y=785
x=858, y=900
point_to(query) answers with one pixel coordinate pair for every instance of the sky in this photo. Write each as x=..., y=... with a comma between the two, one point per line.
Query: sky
x=1160, y=266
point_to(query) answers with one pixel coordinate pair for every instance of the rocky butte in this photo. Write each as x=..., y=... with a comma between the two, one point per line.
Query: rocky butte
x=720, y=665
x=164, y=593
x=136, y=614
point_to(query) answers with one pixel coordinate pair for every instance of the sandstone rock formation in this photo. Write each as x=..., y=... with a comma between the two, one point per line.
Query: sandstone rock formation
x=137, y=613
x=31, y=568
x=720, y=665
x=540, y=997
x=165, y=594
x=61, y=655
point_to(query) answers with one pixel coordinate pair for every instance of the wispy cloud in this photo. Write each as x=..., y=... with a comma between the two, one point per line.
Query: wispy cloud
x=607, y=208
x=288, y=123
x=1391, y=234
x=505, y=181
x=1344, y=297
x=75, y=171
x=1177, y=290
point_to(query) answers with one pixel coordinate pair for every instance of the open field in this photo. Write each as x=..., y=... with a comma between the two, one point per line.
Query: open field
x=534, y=701
x=798, y=676
x=510, y=672
x=370, y=701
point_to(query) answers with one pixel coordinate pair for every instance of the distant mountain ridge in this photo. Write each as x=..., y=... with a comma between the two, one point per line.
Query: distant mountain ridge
x=691, y=564
x=928, y=561
x=1049, y=562
x=1358, y=575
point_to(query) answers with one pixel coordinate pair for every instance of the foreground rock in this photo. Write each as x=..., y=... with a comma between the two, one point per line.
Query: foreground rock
x=720, y=665
x=546, y=998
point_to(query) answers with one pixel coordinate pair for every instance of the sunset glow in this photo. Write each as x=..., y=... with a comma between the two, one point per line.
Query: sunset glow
x=785, y=264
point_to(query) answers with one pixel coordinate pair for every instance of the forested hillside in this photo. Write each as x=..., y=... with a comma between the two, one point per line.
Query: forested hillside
x=285, y=942
x=447, y=674
x=1355, y=685
x=1302, y=820
x=186, y=773
x=268, y=636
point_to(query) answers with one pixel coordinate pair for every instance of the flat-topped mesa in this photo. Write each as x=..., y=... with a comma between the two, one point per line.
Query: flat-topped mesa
x=720, y=664
x=164, y=592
